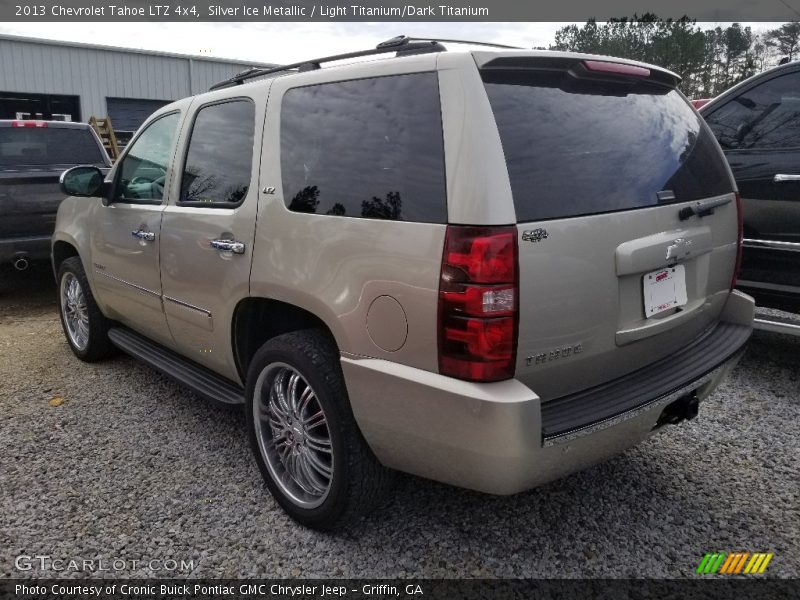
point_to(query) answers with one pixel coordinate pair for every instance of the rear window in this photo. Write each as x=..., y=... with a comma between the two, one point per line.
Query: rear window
x=368, y=148
x=577, y=147
x=34, y=146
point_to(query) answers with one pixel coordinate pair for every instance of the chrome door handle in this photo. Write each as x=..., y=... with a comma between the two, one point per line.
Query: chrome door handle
x=228, y=246
x=147, y=236
x=781, y=177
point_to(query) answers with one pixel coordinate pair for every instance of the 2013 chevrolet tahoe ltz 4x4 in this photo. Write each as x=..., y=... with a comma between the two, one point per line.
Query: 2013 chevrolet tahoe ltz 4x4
x=454, y=264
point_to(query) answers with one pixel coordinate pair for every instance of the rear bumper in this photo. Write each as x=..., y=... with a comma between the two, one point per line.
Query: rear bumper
x=499, y=438
x=30, y=247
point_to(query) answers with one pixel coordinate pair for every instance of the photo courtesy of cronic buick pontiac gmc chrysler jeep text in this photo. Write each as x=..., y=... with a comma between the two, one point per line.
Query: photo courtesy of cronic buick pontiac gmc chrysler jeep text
x=488, y=268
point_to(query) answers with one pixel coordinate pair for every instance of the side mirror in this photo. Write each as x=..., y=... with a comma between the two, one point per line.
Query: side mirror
x=82, y=181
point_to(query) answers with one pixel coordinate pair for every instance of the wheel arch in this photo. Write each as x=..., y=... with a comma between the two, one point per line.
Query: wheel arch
x=62, y=249
x=256, y=320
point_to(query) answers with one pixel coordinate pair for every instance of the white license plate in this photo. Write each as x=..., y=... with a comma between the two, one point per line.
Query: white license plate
x=664, y=289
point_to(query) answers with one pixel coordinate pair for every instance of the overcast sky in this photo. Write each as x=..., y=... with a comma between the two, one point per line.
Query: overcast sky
x=285, y=42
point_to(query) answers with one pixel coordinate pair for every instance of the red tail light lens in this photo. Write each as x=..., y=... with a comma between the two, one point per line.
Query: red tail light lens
x=740, y=241
x=32, y=124
x=478, y=303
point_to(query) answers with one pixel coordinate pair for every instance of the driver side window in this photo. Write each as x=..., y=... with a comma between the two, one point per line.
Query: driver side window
x=144, y=167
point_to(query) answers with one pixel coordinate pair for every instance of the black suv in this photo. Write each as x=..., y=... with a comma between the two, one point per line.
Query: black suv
x=757, y=124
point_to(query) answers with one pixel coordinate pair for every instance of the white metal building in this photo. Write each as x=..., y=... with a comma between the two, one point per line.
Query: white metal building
x=69, y=81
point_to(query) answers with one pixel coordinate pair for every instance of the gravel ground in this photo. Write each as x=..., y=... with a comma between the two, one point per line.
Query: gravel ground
x=132, y=466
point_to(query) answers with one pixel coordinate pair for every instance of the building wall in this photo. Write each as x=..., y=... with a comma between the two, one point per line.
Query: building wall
x=95, y=73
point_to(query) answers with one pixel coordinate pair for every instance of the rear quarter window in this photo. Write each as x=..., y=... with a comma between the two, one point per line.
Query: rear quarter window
x=367, y=148
x=577, y=147
x=38, y=146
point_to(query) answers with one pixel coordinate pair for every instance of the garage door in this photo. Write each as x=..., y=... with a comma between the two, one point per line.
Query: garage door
x=128, y=113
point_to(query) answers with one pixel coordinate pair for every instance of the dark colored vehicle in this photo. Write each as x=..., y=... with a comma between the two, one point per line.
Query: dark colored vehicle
x=33, y=154
x=757, y=124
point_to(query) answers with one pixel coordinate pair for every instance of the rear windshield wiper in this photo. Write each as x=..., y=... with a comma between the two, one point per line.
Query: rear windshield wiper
x=702, y=208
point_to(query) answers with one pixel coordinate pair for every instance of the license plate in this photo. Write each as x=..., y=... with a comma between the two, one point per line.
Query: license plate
x=664, y=289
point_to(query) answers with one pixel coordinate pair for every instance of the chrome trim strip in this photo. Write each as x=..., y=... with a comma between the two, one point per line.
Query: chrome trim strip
x=133, y=285
x=634, y=412
x=187, y=305
x=777, y=326
x=772, y=244
x=773, y=287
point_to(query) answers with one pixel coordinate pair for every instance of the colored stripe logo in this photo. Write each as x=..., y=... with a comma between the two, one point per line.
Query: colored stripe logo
x=734, y=563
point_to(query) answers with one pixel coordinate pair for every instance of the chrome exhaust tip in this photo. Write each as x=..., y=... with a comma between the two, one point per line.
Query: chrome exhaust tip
x=21, y=264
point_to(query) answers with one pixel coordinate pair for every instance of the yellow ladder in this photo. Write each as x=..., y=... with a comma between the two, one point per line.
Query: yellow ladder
x=105, y=131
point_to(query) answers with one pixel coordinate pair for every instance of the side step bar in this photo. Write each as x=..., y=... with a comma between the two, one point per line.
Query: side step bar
x=201, y=380
x=777, y=325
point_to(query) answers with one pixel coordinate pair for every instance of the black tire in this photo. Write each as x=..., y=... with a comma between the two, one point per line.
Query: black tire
x=97, y=346
x=358, y=482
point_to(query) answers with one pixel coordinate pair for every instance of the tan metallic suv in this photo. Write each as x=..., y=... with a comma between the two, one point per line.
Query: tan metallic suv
x=488, y=268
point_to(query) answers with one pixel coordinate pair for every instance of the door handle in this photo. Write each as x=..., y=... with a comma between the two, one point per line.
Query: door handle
x=228, y=246
x=781, y=178
x=147, y=236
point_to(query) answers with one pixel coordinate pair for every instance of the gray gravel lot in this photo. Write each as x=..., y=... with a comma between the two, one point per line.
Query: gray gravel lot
x=132, y=466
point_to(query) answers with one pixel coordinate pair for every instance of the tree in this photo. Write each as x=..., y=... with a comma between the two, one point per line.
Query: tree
x=786, y=39
x=708, y=62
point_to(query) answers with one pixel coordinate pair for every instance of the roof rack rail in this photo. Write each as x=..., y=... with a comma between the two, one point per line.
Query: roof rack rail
x=470, y=42
x=402, y=45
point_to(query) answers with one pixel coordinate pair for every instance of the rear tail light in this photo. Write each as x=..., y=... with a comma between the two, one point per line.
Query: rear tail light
x=479, y=303
x=29, y=124
x=739, y=240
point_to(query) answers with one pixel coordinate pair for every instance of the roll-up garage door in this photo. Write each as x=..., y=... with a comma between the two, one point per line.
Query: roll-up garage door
x=127, y=114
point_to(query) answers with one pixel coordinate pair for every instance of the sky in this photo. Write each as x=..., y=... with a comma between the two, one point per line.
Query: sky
x=286, y=42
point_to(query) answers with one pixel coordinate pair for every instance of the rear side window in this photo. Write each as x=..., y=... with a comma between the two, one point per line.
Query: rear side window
x=577, y=147
x=220, y=157
x=37, y=146
x=367, y=148
x=766, y=117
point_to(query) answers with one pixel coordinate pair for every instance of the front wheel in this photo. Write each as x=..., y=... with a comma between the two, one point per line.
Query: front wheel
x=307, y=445
x=85, y=327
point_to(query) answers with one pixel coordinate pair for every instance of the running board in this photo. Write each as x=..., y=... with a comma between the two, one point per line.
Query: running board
x=201, y=380
x=778, y=325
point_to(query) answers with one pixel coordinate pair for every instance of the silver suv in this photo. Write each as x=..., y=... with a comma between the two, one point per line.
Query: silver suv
x=488, y=268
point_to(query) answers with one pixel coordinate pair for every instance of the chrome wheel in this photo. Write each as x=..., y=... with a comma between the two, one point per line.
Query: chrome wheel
x=74, y=311
x=293, y=436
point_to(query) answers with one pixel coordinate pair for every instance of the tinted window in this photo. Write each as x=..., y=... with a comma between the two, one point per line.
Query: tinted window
x=765, y=117
x=48, y=146
x=144, y=167
x=220, y=157
x=367, y=148
x=577, y=147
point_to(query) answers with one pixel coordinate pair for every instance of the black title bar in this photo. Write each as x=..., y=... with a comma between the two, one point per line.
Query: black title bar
x=710, y=587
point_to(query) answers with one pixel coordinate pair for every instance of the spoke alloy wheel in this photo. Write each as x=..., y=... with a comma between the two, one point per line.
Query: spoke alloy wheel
x=75, y=311
x=293, y=435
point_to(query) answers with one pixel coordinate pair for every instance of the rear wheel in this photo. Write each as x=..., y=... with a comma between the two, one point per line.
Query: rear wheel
x=306, y=442
x=85, y=327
